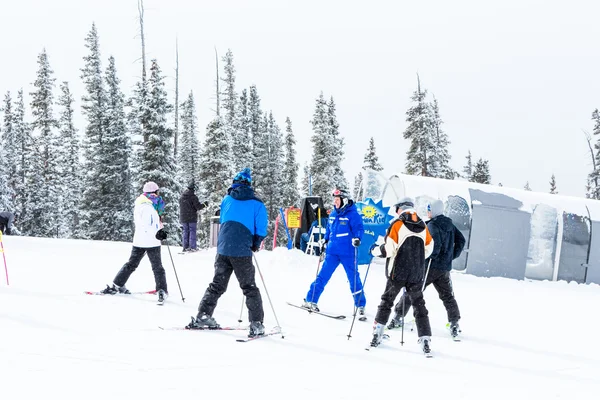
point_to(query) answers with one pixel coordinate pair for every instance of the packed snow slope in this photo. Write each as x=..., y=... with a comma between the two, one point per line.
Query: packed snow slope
x=521, y=339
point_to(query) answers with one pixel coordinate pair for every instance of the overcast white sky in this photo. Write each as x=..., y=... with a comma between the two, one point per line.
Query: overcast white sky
x=516, y=80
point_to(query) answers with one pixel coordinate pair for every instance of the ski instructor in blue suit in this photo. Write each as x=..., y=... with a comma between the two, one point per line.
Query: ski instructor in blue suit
x=343, y=235
x=243, y=227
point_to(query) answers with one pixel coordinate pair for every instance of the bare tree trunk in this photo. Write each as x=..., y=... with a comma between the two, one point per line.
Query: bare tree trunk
x=141, y=12
x=176, y=97
x=589, y=142
x=218, y=92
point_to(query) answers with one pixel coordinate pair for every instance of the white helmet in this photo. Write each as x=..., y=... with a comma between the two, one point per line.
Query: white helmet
x=150, y=187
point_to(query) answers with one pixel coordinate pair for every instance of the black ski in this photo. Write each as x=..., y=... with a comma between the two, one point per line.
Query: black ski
x=318, y=312
x=249, y=339
x=222, y=328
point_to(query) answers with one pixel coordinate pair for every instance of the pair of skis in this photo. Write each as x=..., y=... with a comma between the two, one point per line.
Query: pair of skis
x=325, y=314
x=274, y=331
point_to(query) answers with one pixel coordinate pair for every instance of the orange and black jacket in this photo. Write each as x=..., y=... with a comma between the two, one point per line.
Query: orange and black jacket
x=407, y=245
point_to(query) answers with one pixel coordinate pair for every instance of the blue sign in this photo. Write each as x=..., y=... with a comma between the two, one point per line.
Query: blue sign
x=376, y=220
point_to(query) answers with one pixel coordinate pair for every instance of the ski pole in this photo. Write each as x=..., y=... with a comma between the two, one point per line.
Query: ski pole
x=4, y=257
x=362, y=293
x=241, y=310
x=176, y=277
x=403, y=312
x=426, y=273
x=268, y=297
x=321, y=257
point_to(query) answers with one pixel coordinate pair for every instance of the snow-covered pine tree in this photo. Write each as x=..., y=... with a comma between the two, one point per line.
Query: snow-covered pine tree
x=357, y=193
x=337, y=144
x=553, y=189
x=441, y=154
x=9, y=158
x=593, y=187
x=481, y=172
x=118, y=198
x=527, y=187
x=93, y=104
x=305, y=182
x=213, y=174
x=189, y=148
x=255, y=121
x=371, y=187
x=242, y=144
x=419, y=156
x=468, y=168
x=70, y=166
x=24, y=150
x=156, y=160
x=260, y=155
x=44, y=199
x=229, y=98
x=291, y=195
x=272, y=192
x=322, y=168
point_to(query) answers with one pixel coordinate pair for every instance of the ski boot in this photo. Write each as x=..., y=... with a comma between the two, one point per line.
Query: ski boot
x=454, y=330
x=424, y=341
x=377, y=334
x=256, y=329
x=162, y=296
x=396, y=322
x=114, y=289
x=203, y=322
x=310, y=306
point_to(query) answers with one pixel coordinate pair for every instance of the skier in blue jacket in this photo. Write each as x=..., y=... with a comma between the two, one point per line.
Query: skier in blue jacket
x=342, y=237
x=243, y=228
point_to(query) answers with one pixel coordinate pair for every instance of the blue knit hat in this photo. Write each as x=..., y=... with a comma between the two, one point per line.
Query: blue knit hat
x=243, y=177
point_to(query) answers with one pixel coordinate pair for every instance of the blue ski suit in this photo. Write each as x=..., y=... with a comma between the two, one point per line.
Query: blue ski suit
x=344, y=224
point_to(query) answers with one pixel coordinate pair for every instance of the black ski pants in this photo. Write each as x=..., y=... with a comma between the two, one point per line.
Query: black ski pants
x=442, y=282
x=137, y=253
x=244, y=272
x=392, y=289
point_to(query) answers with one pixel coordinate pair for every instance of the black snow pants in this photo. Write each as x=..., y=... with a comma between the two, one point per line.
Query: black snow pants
x=442, y=282
x=392, y=288
x=137, y=253
x=244, y=272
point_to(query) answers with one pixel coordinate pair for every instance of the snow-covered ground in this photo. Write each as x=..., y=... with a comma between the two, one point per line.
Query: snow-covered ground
x=521, y=339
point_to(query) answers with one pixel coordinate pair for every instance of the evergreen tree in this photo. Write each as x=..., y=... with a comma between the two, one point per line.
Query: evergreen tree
x=70, y=167
x=189, y=148
x=322, y=168
x=358, y=192
x=254, y=122
x=305, y=183
x=229, y=98
x=260, y=154
x=44, y=200
x=115, y=154
x=213, y=173
x=468, y=168
x=93, y=104
x=419, y=157
x=372, y=187
x=156, y=160
x=242, y=143
x=593, y=190
x=272, y=192
x=526, y=187
x=553, y=189
x=291, y=195
x=441, y=154
x=337, y=146
x=24, y=158
x=9, y=160
x=481, y=172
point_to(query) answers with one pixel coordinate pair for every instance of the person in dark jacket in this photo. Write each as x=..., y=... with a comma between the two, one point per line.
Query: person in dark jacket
x=189, y=205
x=243, y=228
x=6, y=222
x=342, y=236
x=407, y=244
x=448, y=245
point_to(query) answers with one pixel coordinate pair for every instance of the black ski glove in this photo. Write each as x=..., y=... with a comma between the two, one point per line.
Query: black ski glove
x=356, y=242
x=255, y=248
x=161, y=234
x=324, y=245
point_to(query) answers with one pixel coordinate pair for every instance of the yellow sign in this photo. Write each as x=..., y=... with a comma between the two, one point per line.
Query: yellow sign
x=293, y=217
x=369, y=211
